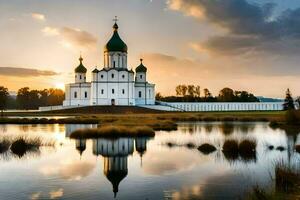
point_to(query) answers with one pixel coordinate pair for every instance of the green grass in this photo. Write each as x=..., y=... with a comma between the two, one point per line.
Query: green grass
x=114, y=131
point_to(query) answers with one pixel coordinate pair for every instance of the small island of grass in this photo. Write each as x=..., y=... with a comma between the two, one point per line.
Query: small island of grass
x=110, y=131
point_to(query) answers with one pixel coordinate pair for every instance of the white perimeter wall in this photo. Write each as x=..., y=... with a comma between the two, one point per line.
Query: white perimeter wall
x=194, y=107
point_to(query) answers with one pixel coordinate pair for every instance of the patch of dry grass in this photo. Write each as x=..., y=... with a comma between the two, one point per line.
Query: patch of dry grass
x=114, y=131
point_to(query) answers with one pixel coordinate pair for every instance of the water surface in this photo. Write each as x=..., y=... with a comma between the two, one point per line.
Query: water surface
x=143, y=168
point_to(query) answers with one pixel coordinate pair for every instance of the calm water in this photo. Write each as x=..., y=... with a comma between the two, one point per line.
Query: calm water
x=144, y=168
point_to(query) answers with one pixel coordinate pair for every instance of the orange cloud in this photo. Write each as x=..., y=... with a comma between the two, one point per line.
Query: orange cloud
x=38, y=16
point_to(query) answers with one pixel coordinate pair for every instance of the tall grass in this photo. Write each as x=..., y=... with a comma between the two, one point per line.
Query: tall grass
x=287, y=179
x=23, y=144
x=114, y=131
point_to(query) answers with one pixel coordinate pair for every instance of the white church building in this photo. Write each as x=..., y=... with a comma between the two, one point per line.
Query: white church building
x=114, y=84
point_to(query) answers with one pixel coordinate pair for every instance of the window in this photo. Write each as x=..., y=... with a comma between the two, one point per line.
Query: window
x=102, y=91
x=75, y=95
x=140, y=94
x=123, y=76
x=114, y=64
x=85, y=94
x=113, y=91
x=112, y=75
x=123, y=91
x=80, y=77
x=101, y=76
x=141, y=76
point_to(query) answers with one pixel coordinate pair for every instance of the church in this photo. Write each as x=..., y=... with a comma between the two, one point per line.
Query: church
x=114, y=84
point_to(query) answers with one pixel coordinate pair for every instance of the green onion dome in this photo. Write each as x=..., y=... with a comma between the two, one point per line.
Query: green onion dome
x=141, y=67
x=80, y=68
x=115, y=43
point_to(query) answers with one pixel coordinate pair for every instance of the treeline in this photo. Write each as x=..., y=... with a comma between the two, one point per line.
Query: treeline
x=30, y=99
x=193, y=93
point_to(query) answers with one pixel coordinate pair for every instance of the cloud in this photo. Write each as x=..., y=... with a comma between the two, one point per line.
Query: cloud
x=69, y=170
x=72, y=36
x=246, y=27
x=55, y=194
x=50, y=31
x=38, y=16
x=25, y=72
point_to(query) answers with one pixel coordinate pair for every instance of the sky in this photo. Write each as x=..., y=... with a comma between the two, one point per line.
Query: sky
x=248, y=45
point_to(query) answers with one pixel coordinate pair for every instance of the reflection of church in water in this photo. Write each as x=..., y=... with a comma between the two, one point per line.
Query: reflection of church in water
x=115, y=154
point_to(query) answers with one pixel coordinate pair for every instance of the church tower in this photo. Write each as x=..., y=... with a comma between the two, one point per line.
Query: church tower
x=80, y=72
x=115, y=51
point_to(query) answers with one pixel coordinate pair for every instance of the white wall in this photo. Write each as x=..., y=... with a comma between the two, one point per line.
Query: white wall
x=82, y=97
x=103, y=84
x=194, y=107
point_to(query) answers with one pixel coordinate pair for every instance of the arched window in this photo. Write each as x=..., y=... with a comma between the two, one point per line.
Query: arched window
x=141, y=76
x=112, y=75
x=140, y=94
x=123, y=91
x=123, y=76
x=85, y=95
x=114, y=64
x=101, y=76
x=80, y=77
x=113, y=91
x=75, y=95
x=102, y=91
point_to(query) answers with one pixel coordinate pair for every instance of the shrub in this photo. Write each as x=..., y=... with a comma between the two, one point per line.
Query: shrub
x=4, y=145
x=292, y=117
x=247, y=149
x=206, y=148
x=231, y=149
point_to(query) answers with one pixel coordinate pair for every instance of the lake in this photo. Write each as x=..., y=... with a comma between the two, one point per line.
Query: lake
x=163, y=167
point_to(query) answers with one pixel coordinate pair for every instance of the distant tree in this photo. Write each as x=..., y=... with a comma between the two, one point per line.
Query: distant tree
x=184, y=89
x=55, y=97
x=226, y=95
x=244, y=96
x=197, y=91
x=288, y=101
x=158, y=97
x=207, y=93
x=191, y=90
x=178, y=90
x=3, y=98
x=23, y=99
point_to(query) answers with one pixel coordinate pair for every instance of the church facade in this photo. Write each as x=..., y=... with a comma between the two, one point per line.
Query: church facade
x=114, y=84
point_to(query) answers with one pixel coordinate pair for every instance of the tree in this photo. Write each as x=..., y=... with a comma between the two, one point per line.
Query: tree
x=226, y=95
x=191, y=90
x=55, y=97
x=198, y=91
x=23, y=97
x=288, y=101
x=3, y=98
x=207, y=93
x=298, y=102
x=158, y=96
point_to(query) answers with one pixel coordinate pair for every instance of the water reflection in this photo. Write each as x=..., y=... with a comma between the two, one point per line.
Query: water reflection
x=140, y=168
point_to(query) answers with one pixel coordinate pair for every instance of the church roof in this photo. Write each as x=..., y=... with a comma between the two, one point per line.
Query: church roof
x=95, y=70
x=115, y=43
x=141, y=67
x=115, y=177
x=80, y=68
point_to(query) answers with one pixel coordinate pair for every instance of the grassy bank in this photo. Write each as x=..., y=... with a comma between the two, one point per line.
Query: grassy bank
x=21, y=145
x=114, y=131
